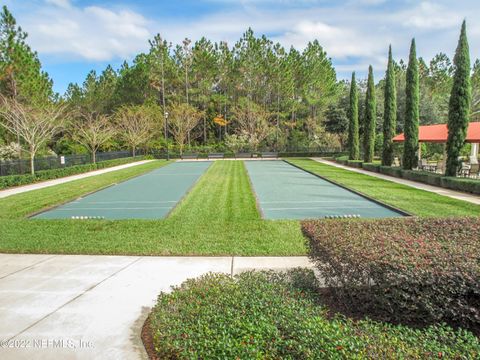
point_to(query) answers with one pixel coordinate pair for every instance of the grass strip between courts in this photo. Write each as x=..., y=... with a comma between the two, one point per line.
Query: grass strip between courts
x=414, y=201
x=218, y=217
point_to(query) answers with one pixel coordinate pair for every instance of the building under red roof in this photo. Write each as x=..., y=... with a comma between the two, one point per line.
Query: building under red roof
x=439, y=133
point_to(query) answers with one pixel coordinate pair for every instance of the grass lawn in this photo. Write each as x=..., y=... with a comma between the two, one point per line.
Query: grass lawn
x=414, y=201
x=218, y=217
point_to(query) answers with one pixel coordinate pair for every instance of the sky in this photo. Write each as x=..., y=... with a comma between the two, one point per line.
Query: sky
x=73, y=37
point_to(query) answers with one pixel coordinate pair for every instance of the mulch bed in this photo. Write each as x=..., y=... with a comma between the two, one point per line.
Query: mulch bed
x=147, y=340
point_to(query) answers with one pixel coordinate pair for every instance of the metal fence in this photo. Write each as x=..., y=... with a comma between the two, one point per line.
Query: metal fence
x=22, y=166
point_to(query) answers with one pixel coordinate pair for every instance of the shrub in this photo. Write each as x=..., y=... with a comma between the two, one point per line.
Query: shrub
x=410, y=269
x=459, y=184
x=355, y=163
x=371, y=167
x=42, y=175
x=423, y=177
x=392, y=171
x=267, y=315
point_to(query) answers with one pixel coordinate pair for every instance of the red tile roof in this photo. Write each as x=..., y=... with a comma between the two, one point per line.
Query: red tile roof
x=438, y=133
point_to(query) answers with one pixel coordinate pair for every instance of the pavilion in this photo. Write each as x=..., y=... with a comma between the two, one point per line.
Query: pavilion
x=438, y=133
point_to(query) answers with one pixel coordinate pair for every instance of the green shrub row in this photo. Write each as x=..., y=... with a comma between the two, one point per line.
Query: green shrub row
x=453, y=183
x=42, y=175
x=408, y=269
x=267, y=315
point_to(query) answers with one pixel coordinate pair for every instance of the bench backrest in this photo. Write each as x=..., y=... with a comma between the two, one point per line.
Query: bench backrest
x=216, y=155
x=269, y=154
x=189, y=156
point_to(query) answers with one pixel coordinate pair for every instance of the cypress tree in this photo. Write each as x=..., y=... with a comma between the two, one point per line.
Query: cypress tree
x=370, y=117
x=412, y=92
x=390, y=112
x=459, y=106
x=353, y=141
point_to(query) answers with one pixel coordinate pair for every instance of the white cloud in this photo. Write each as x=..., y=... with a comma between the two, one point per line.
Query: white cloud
x=92, y=33
x=60, y=3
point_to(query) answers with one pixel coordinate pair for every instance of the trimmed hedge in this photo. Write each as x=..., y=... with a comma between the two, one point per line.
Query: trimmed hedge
x=267, y=315
x=410, y=269
x=42, y=175
x=453, y=183
x=371, y=167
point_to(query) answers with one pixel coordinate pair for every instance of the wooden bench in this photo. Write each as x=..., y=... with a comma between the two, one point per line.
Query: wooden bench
x=216, y=156
x=243, y=155
x=189, y=156
x=269, y=155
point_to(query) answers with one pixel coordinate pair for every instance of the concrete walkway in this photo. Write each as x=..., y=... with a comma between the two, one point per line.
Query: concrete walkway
x=44, y=184
x=93, y=307
x=474, y=199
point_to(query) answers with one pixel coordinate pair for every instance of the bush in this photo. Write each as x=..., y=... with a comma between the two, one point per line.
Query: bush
x=42, y=175
x=459, y=184
x=391, y=171
x=410, y=269
x=371, y=167
x=422, y=176
x=355, y=163
x=267, y=315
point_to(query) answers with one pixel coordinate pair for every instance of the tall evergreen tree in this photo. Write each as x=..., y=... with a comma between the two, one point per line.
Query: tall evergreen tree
x=370, y=119
x=412, y=92
x=21, y=75
x=353, y=141
x=459, y=106
x=390, y=112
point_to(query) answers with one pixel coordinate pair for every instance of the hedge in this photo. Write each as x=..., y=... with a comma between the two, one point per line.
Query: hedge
x=371, y=167
x=267, y=315
x=42, y=175
x=453, y=183
x=409, y=269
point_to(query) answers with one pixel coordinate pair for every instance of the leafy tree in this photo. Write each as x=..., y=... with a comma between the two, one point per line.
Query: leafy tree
x=182, y=119
x=353, y=137
x=92, y=131
x=369, y=119
x=459, y=106
x=34, y=125
x=253, y=122
x=137, y=123
x=410, y=146
x=389, y=112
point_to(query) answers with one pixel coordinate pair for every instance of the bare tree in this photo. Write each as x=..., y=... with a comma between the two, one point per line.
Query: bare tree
x=183, y=118
x=35, y=126
x=136, y=124
x=93, y=131
x=252, y=122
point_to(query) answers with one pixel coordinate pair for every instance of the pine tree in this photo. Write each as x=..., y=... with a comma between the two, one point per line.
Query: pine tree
x=459, y=106
x=353, y=141
x=410, y=146
x=370, y=119
x=390, y=112
x=21, y=75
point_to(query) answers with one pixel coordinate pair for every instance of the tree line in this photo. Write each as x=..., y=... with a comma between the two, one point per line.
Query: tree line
x=458, y=112
x=251, y=95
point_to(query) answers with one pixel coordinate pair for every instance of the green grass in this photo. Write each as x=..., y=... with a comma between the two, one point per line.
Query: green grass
x=414, y=201
x=218, y=217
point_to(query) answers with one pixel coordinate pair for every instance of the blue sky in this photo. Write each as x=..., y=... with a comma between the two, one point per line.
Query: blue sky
x=73, y=37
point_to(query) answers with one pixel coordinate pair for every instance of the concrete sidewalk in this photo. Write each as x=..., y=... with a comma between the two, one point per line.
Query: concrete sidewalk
x=471, y=198
x=93, y=307
x=44, y=184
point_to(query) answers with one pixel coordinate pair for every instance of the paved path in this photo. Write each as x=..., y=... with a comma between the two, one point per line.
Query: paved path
x=44, y=184
x=93, y=307
x=474, y=199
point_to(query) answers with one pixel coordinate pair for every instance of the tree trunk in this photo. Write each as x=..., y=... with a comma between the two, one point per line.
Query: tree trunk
x=133, y=151
x=94, y=156
x=32, y=163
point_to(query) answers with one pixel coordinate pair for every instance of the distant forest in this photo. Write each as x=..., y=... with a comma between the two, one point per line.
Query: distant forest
x=251, y=95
